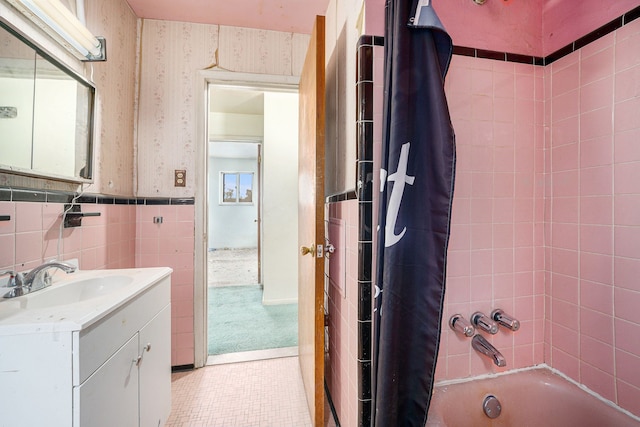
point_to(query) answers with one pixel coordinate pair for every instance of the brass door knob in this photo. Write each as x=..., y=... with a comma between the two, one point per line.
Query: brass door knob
x=304, y=250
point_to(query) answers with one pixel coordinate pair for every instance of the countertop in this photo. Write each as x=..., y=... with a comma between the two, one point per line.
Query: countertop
x=75, y=316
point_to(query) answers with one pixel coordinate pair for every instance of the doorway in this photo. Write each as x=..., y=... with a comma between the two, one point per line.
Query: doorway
x=252, y=202
x=234, y=213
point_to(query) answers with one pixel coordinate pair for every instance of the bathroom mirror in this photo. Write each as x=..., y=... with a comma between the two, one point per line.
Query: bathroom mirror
x=46, y=113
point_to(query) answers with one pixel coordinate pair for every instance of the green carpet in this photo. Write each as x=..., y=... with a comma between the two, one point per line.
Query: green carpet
x=239, y=322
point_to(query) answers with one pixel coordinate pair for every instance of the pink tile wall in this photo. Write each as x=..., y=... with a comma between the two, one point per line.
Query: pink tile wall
x=123, y=236
x=342, y=370
x=31, y=237
x=495, y=250
x=593, y=216
x=546, y=217
x=171, y=244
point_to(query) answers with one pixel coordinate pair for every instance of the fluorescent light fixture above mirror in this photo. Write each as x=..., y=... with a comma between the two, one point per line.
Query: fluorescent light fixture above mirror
x=58, y=21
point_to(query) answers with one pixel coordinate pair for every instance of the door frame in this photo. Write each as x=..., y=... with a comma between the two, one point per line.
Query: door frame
x=257, y=199
x=203, y=79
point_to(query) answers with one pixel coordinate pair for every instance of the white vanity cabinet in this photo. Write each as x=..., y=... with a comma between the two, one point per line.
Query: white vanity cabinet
x=118, y=387
x=132, y=384
x=112, y=371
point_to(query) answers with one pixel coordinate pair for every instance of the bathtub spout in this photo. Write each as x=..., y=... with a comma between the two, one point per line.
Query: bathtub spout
x=483, y=346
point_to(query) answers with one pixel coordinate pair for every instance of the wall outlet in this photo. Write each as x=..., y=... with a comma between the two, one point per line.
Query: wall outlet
x=180, y=178
x=8, y=112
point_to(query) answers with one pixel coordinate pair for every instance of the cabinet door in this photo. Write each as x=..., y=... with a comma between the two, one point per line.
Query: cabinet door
x=35, y=379
x=155, y=370
x=109, y=397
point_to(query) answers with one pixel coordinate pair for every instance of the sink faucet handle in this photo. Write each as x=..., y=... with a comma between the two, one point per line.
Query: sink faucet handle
x=505, y=320
x=44, y=277
x=15, y=279
x=483, y=322
x=461, y=325
x=11, y=282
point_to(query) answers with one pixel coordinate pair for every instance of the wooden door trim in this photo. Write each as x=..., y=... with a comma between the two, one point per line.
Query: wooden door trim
x=311, y=232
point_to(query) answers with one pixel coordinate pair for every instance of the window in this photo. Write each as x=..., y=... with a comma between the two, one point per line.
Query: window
x=237, y=187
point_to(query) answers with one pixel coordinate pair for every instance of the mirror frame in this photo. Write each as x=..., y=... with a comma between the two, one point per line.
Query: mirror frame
x=39, y=51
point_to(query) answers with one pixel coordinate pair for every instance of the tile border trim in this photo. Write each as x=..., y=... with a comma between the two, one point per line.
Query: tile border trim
x=594, y=35
x=8, y=194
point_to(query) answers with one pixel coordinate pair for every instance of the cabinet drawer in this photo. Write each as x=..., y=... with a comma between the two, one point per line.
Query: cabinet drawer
x=94, y=345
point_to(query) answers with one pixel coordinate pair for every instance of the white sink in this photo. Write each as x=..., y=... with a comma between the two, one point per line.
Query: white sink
x=76, y=300
x=75, y=291
x=68, y=292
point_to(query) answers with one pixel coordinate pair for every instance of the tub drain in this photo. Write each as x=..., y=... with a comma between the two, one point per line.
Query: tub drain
x=491, y=406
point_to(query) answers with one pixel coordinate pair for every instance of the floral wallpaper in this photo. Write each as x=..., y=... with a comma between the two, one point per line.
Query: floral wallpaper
x=171, y=54
x=115, y=82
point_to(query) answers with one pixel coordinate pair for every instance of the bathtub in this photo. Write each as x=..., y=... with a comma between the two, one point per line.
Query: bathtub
x=528, y=398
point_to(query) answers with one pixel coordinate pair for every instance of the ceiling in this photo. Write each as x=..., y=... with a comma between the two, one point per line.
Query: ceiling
x=279, y=15
x=236, y=100
x=233, y=150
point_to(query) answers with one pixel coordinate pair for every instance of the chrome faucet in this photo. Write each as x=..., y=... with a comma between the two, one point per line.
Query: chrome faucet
x=505, y=320
x=459, y=324
x=481, y=345
x=484, y=322
x=36, y=279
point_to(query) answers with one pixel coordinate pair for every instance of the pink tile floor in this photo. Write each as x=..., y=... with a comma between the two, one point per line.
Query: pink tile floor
x=263, y=393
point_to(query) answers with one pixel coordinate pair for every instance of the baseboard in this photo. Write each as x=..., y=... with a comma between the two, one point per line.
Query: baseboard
x=280, y=301
x=250, y=356
x=182, y=368
x=332, y=408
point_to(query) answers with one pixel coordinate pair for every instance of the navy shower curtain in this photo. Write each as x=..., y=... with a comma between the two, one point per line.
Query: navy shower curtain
x=417, y=177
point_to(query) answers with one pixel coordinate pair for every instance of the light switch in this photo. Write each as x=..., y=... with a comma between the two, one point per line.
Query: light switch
x=180, y=178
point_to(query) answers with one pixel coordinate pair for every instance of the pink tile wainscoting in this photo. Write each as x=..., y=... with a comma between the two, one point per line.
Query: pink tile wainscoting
x=342, y=371
x=171, y=244
x=123, y=236
x=31, y=236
